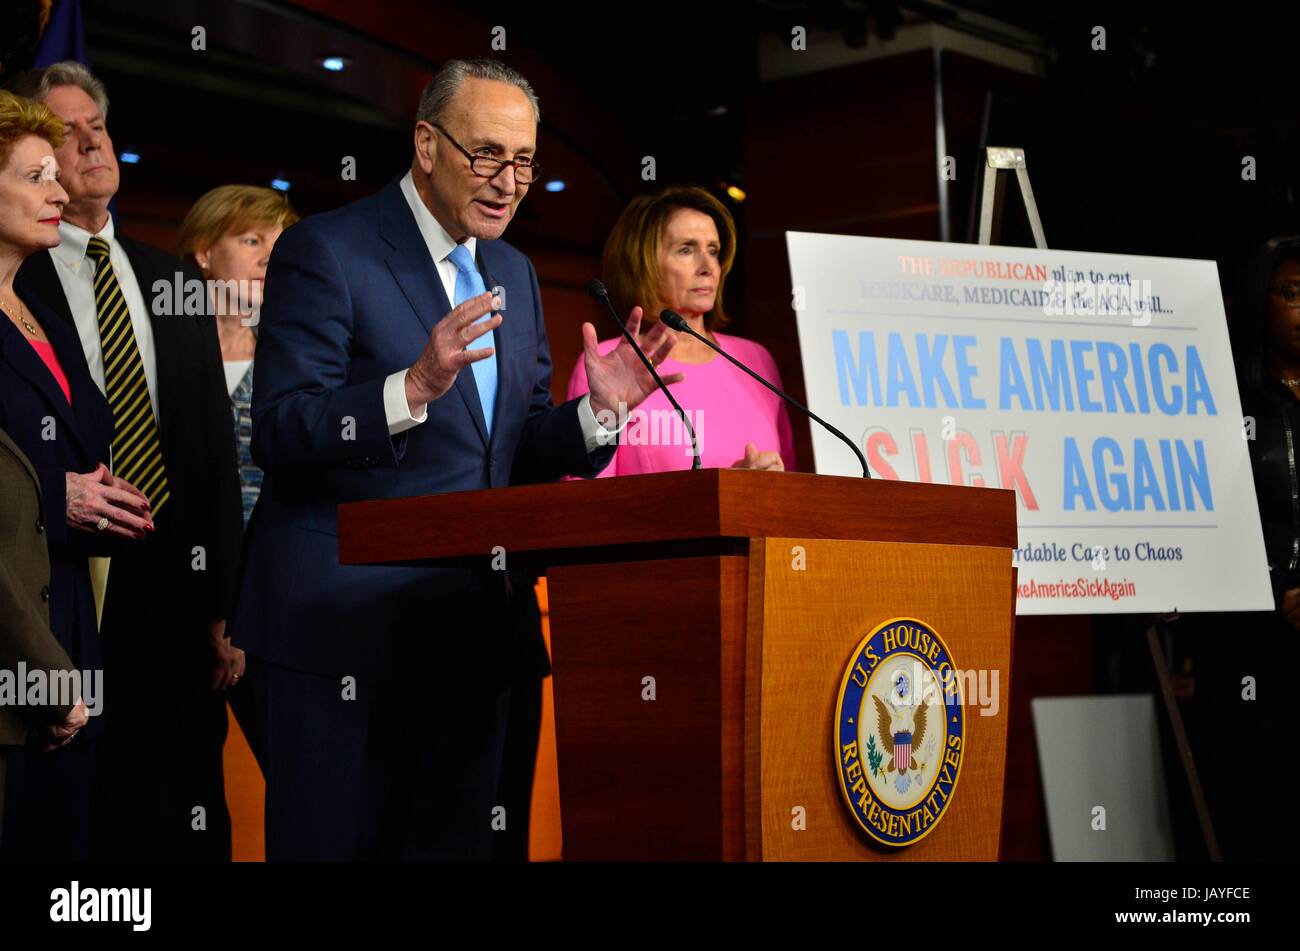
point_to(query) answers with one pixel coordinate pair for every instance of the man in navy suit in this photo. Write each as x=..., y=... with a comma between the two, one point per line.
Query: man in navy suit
x=385, y=369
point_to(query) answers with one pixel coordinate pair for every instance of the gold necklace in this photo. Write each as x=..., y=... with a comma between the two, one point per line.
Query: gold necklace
x=23, y=320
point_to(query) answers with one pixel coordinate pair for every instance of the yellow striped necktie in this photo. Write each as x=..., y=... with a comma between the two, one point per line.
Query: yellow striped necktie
x=137, y=450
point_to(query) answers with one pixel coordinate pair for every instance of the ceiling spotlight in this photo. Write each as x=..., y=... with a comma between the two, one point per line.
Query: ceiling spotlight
x=735, y=193
x=280, y=184
x=555, y=185
x=334, y=64
x=128, y=157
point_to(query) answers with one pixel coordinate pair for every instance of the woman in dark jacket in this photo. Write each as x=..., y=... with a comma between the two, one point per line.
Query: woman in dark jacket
x=54, y=412
x=1266, y=348
x=1245, y=663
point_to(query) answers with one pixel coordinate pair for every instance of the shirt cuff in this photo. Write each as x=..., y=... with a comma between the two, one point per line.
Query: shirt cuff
x=396, y=409
x=594, y=434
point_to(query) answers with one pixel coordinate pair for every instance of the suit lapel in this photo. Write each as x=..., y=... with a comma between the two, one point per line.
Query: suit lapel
x=22, y=356
x=414, y=272
x=491, y=268
x=37, y=282
x=89, y=405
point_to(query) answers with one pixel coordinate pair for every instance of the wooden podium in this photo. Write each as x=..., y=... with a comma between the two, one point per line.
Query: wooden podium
x=701, y=625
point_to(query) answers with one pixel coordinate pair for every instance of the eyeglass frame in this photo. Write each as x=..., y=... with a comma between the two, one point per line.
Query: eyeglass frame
x=1279, y=289
x=514, y=166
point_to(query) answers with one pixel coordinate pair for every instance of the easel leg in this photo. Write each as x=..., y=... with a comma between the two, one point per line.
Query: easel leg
x=1180, y=740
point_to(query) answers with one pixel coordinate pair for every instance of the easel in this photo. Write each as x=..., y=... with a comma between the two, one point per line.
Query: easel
x=992, y=194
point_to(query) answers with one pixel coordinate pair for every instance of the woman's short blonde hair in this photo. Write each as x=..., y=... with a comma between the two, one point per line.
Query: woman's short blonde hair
x=21, y=117
x=630, y=263
x=231, y=209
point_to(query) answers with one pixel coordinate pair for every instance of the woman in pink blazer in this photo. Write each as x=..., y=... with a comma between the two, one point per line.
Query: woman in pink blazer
x=673, y=250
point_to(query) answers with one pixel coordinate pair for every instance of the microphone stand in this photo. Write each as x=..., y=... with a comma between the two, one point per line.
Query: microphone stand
x=677, y=322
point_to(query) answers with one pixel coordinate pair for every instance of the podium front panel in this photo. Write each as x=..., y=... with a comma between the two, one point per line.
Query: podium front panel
x=811, y=602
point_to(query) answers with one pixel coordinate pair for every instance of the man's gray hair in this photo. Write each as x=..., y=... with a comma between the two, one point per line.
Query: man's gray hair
x=37, y=83
x=442, y=88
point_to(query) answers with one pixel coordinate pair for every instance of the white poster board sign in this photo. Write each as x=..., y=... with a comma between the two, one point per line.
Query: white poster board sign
x=1099, y=387
x=1103, y=779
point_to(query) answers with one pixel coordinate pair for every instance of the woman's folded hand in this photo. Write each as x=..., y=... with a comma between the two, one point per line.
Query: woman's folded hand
x=97, y=495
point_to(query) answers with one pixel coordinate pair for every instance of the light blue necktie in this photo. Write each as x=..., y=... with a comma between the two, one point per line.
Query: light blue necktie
x=469, y=283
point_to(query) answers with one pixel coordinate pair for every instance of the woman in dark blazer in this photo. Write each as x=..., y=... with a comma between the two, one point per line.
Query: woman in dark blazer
x=53, y=411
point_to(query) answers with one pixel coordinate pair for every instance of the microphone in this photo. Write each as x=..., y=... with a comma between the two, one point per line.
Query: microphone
x=597, y=290
x=677, y=322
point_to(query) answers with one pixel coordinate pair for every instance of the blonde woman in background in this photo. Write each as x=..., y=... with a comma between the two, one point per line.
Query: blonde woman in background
x=228, y=235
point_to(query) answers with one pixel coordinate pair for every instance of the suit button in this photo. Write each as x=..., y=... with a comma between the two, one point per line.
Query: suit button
x=45, y=593
x=40, y=527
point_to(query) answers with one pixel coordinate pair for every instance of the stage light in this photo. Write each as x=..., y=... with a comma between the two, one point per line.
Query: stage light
x=129, y=157
x=555, y=185
x=334, y=64
x=280, y=184
x=735, y=193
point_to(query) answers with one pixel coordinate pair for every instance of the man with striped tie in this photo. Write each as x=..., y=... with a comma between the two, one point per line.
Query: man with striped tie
x=166, y=599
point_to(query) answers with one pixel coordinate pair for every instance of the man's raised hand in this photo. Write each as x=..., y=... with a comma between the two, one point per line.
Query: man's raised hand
x=619, y=377
x=444, y=356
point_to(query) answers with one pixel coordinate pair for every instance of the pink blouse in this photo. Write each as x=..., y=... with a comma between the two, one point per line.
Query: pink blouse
x=727, y=408
x=45, y=350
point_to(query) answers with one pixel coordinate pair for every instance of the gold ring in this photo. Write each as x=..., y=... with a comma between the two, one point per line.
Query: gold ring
x=102, y=523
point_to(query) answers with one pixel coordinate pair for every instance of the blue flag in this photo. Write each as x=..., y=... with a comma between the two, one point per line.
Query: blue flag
x=64, y=38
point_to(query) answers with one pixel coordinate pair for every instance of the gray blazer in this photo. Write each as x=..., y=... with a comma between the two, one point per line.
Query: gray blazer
x=25, y=634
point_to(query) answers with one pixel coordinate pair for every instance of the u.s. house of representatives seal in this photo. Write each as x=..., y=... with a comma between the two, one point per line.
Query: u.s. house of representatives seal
x=899, y=732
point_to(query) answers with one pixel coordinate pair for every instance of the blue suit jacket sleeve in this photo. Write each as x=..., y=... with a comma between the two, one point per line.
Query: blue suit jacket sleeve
x=306, y=412
x=552, y=444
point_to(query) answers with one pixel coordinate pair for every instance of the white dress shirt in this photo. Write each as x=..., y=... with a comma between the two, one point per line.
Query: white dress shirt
x=77, y=275
x=440, y=245
x=235, y=370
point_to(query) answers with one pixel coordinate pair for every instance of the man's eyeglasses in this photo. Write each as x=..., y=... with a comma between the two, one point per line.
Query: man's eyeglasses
x=487, y=167
x=1289, y=293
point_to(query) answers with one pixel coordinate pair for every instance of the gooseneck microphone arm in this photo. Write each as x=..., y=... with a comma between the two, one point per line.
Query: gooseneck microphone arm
x=597, y=290
x=677, y=322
